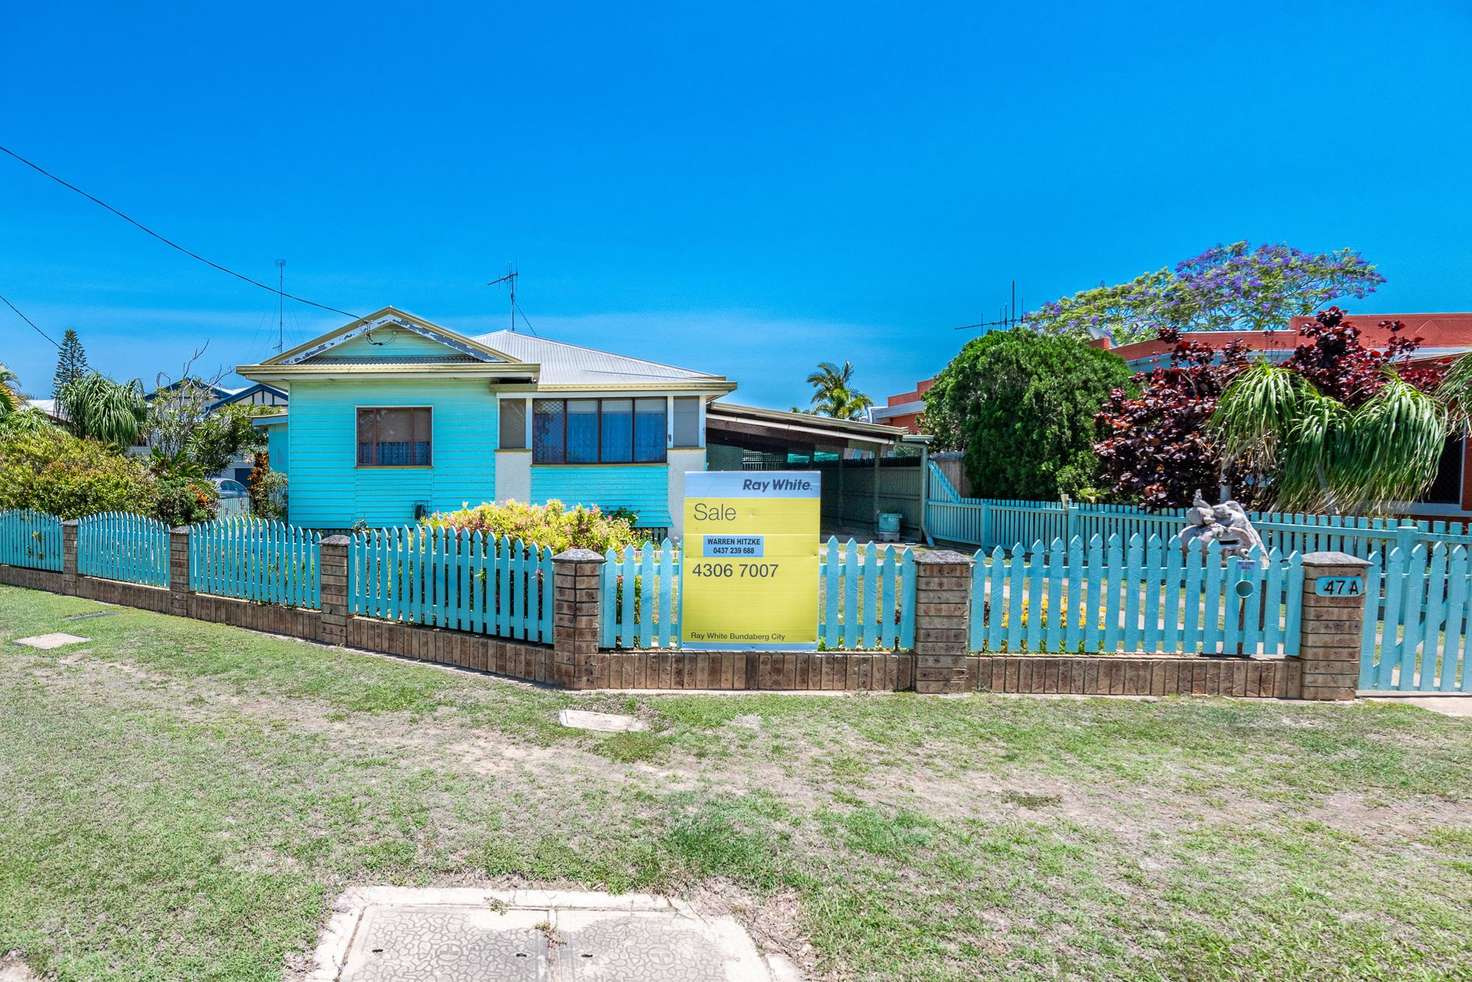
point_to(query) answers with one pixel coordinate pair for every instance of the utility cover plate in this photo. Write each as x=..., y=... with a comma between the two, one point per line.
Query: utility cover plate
x=455, y=934
x=578, y=719
x=48, y=641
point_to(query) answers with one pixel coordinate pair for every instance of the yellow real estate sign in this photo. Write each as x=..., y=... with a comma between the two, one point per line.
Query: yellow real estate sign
x=749, y=572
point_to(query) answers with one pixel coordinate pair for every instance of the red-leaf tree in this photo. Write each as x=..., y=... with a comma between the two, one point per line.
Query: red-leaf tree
x=1157, y=449
x=1331, y=356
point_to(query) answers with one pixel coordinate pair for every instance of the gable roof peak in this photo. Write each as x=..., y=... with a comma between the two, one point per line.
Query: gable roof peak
x=568, y=365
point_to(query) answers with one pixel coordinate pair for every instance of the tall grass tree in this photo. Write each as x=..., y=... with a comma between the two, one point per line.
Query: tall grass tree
x=95, y=407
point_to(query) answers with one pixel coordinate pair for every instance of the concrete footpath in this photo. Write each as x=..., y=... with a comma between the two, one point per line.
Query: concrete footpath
x=1446, y=705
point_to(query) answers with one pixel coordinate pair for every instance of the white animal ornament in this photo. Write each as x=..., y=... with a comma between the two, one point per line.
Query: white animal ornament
x=1226, y=523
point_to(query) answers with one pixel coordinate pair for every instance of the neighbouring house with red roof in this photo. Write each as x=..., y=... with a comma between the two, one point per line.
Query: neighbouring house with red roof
x=903, y=410
x=1443, y=338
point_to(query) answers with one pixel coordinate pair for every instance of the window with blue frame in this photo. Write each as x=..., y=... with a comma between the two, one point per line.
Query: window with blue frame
x=394, y=437
x=599, y=431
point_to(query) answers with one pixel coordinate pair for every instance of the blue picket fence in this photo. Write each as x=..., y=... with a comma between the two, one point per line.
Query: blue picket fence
x=31, y=539
x=866, y=597
x=640, y=599
x=256, y=559
x=1136, y=595
x=121, y=546
x=454, y=579
x=991, y=522
x=1416, y=621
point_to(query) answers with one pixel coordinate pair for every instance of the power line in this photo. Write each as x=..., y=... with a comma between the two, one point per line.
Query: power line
x=170, y=242
x=30, y=322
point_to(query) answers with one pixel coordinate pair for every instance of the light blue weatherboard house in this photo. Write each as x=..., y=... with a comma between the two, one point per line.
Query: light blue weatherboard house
x=391, y=417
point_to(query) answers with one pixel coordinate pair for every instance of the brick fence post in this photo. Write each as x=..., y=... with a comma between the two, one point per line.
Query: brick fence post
x=179, y=571
x=333, y=570
x=1329, y=645
x=578, y=584
x=69, y=557
x=942, y=620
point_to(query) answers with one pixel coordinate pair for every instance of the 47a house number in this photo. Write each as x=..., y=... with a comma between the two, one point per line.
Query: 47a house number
x=1340, y=586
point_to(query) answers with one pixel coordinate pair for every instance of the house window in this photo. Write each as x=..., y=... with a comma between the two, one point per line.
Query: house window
x=513, y=424
x=598, y=431
x=687, y=421
x=617, y=431
x=393, y=437
x=549, y=431
x=649, y=430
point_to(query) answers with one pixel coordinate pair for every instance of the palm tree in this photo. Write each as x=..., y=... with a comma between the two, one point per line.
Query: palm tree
x=833, y=392
x=10, y=400
x=1321, y=455
x=95, y=406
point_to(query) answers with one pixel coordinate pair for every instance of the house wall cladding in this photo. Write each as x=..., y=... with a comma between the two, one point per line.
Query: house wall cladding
x=642, y=488
x=330, y=490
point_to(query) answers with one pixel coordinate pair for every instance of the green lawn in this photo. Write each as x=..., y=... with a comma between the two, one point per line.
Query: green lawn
x=184, y=800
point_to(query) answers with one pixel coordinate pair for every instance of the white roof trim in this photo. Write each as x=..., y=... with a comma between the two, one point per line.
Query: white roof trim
x=389, y=320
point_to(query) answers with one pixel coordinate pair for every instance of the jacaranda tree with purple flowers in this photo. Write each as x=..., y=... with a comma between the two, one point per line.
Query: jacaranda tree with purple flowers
x=1230, y=287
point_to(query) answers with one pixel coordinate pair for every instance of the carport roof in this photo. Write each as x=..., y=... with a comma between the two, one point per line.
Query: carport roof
x=776, y=426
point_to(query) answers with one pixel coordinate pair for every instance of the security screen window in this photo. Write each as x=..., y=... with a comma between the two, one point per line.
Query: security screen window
x=397, y=437
x=687, y=421
x=513, y=424
x=549, y=431
x=598, y=431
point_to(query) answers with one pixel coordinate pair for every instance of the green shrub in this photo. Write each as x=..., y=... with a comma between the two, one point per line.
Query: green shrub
x=267, y=488
x=552, y=524
x=50, y=470
x=180, y=500
x=1021, y=405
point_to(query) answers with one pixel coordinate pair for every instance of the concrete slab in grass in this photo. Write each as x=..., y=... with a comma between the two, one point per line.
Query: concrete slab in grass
x=1446, y=705
x=46, y=642
x=579, y=719
x=457, y=934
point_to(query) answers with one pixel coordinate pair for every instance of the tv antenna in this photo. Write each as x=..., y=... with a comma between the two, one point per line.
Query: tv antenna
x=280, y=307
x=510, y=280
x=1009, y=316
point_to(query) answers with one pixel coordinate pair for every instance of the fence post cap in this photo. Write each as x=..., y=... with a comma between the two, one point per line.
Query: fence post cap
x=180, y=529
x=578, y=556
x=942, y=556
x=71, y=521
x=1333, y=559
x=336, y=540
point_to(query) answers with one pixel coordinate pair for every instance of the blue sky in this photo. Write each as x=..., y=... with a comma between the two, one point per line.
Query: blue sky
x=744, y=189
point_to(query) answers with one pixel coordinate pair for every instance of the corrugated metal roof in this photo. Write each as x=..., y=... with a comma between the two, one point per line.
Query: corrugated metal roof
x=809, y=423
x=570, y=364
